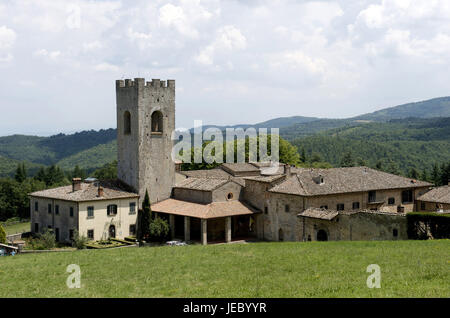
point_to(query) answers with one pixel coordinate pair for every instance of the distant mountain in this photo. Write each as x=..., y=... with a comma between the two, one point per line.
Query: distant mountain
x=92, y=149
x=436, y=107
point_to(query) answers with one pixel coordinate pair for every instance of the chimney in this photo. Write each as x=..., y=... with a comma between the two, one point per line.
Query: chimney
x=100, y=191
x=287, y=170
x=76, y=184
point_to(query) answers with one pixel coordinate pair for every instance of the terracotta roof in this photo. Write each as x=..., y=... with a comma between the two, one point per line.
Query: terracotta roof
x=319, y=214
x=201, y=184
x=343, y=180
x=112, y=189
x=237, y=169
x=438, y=195
x=203, y=211
x=211, y=173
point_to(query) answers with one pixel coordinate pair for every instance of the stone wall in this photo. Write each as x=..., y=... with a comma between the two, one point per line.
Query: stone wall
x=144, y=157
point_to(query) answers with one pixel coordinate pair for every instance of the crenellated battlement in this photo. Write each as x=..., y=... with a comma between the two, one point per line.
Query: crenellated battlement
x=141, y=82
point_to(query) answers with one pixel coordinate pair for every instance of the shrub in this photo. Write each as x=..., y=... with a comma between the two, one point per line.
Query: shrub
x=79, y=241
x=48, y=239
x=2, y=235
x=159, y=229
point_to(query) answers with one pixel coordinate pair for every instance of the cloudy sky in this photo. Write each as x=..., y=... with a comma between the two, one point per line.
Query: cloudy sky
x=233, y=61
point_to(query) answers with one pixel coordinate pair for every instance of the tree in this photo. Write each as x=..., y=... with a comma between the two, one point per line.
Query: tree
x=436, y=175
x=424, y=175
x=144, y=219
x=303, y=155
x=107, y=172
x=21, y=173
x=379, y=165
x=347, y=160
x=78, y=173
x=2, y=235
x=413, y=174
x=315, y=157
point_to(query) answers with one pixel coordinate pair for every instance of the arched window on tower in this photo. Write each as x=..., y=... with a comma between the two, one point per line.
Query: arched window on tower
x=127, y=123
x=157, y=122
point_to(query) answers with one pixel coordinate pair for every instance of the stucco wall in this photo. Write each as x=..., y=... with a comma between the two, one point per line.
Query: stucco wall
x=101, y=222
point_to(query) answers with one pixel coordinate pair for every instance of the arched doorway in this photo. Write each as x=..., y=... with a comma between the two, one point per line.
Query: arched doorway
x=112, y=231
x=280, y=235
x=322, y=235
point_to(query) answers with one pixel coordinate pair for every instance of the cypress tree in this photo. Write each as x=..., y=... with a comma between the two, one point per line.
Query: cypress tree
x=144, y=219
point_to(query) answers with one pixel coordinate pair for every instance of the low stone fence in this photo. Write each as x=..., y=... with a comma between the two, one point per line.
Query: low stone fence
x=14, y=237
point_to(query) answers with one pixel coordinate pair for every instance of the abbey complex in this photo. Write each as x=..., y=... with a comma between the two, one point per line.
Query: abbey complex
x=236, y=201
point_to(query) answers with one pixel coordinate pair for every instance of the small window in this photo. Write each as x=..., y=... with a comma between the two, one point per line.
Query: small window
x=132, y=207
x=286, y=208
x=422, y=206
x=90, y=212
x=157, y=122
x=407, y=196
x=90, y=234
x=340, y=207
x=71, y=212
x=127, y=123
x=325, y=207
x=372, y=196
x=36, y=206
x=56, y=209
x=49, y=208
x=266, y=210
x=71, y=232
x=132, y=229
x=230, y=196
x=355, y=205
x=112, y=209
x=395, y=232
x=391, y=201
x=36, y=227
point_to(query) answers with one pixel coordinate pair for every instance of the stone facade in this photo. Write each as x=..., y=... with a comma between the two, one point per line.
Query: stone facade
x=145, y=122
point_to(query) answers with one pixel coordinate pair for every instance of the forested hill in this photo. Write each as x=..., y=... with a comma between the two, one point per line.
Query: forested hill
x=398, y=145
x=408, y=142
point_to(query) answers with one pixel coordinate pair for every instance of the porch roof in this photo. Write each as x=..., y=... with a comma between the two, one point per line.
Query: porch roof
x=203, y=211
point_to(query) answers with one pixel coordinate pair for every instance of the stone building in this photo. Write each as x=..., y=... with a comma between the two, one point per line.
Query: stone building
x=435, y=200
x=232, y=202
x=96, y=209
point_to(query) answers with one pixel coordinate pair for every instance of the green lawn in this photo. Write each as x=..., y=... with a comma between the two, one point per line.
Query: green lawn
x=313, y=269
x=17, y=228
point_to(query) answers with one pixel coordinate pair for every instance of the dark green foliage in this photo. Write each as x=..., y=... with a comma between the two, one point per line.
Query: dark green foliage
x=21, y=173
x=77, y=173
x=2, y=235
x=42, y=241
x=14, y=201
x=423, y=224
x=52, y=176
x=409, y=143
x=347, y=160
x=144, y=219
x=108, y=171
x=159, y=229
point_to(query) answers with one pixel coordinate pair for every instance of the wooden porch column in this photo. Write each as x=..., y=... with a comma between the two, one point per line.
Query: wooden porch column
x=187, y=229
x=228, y=229
x=204, y=231
x=172, y=226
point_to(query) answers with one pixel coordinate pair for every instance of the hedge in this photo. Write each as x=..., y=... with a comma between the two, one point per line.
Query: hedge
x=426, y=225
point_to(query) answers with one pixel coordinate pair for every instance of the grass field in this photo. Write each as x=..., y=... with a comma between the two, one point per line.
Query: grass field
x=17, y=228
x=313, y=269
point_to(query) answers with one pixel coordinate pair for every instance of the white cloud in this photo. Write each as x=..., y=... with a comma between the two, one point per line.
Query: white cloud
x=106, y=67
x=298, y=60
x=52, y=55
x=7, y=37
x=229, y=38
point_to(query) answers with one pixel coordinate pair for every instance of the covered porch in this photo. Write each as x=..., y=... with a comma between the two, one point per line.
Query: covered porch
x=216, y=222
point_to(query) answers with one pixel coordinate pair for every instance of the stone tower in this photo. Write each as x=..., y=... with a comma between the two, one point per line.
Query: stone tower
x=145, y=121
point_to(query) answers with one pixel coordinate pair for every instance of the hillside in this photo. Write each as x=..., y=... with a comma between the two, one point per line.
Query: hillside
x=436, y=107
x=290, y=269
x=418, y=144
x=409, y=143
